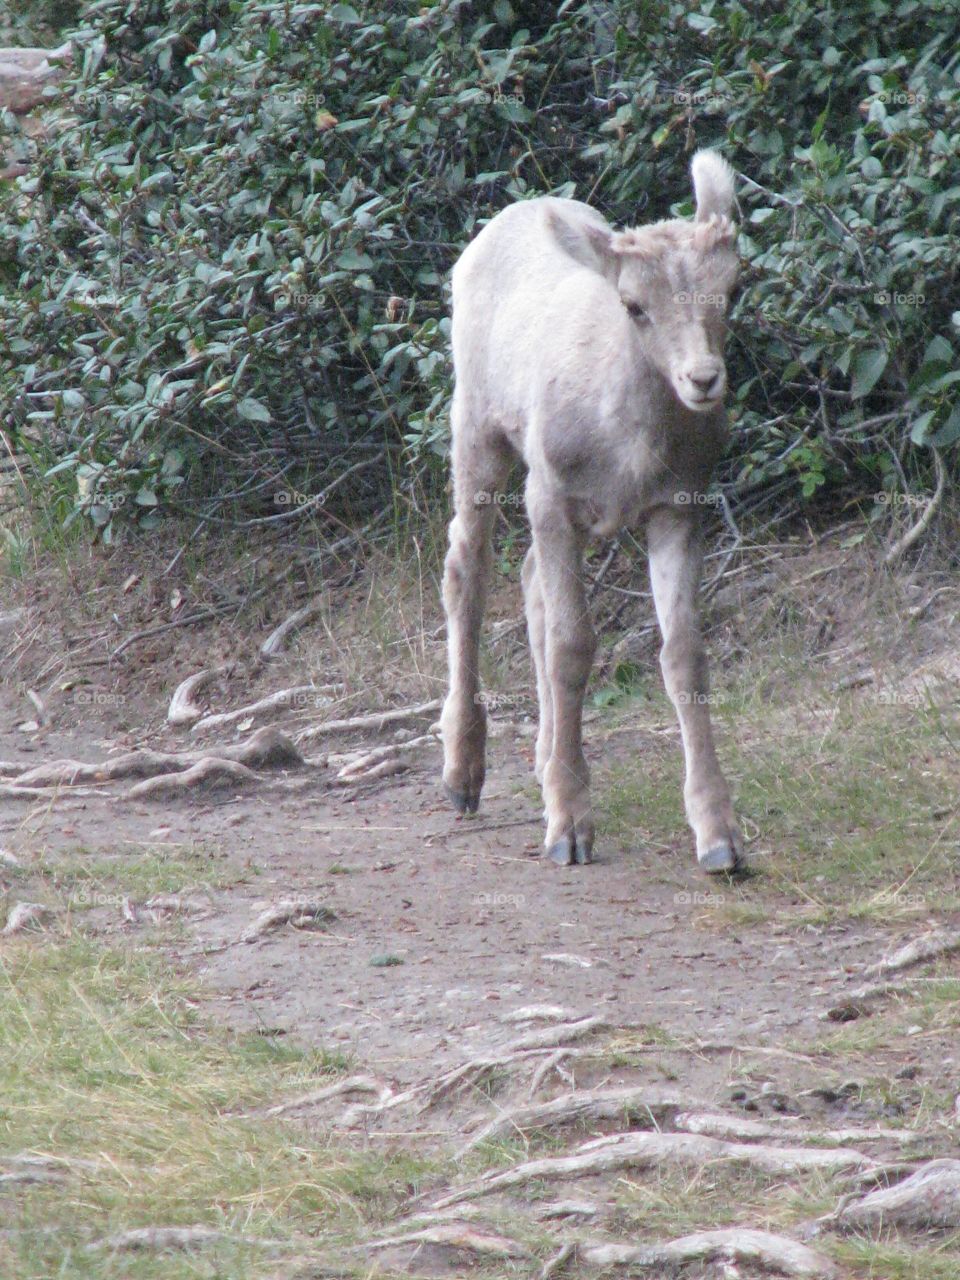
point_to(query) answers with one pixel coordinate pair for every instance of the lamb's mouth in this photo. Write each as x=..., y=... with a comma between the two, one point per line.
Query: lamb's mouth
x=702, y=404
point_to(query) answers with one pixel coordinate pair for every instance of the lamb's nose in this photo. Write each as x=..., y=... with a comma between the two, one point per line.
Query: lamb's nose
x=704, y=382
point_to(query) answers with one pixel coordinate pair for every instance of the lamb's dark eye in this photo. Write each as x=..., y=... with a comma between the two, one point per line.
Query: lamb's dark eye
x=634, y=309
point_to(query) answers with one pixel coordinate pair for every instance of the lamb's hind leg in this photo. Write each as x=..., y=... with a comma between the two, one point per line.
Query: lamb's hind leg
x=569, y=646
x=673, y=544
x=479, y=470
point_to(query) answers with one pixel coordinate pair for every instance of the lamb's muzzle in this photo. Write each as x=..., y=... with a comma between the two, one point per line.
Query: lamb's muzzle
x=595, y=357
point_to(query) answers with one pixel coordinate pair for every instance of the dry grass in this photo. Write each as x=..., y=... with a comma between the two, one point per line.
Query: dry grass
x=108, y=1060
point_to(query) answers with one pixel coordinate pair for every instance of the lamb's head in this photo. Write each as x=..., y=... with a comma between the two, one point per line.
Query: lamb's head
x=675, y=279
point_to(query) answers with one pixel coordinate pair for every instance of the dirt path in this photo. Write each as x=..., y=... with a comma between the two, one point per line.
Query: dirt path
x=464, y=978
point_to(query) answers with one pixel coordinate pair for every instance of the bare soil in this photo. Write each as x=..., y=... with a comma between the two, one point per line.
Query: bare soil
x=445, y=931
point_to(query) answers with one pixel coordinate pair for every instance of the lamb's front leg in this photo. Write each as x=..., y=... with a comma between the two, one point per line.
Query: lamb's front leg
x=478, y=472
x=673, y=544
x=569, y=645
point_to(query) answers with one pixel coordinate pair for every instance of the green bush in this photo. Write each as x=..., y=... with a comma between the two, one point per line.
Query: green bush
x=226, y=273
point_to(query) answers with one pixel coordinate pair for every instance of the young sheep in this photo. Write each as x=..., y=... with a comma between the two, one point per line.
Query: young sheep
x=596, y=357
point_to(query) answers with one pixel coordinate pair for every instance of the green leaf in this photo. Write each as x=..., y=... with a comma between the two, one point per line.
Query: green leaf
x=938, y=348
x=254, y=410
x=948, y=434
x=867, y=369
x=918, y=431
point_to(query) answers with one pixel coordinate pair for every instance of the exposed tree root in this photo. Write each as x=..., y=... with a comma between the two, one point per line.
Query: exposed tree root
x=458, y=1235
x=378, y=721
x=297, y=912
x=931, y=947
x=785, y=1127
x=209, y=772
x=29, y=1176
x=539, y=1013
x=354, y=1084
x=12, y=791
x=360, y=766
x=361, y=1112
x=385, y=769
x=522, y=1050
x=588, y=1107
x=55, y=1165
x=272, y=648
x=284, y=699
x=158, y=1238
x=735, y=1244
x=559, y=1260
x=916, y=532
x=645, y=1150
x=881, y=1175
x=859, y=1002
x=183, y=709
x=267, y=748
x=560, y=1034
x=554, y=1063
x=24, y=915
x=564, y=1209
x=930, y=1197
x=470, y=1074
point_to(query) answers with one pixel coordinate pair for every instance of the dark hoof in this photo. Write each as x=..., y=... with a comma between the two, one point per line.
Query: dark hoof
x=567, y=852
x=721, y=858
x=462, y=801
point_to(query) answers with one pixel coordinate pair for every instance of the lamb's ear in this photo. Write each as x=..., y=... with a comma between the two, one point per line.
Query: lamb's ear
x=588, y=243
x=712, y=185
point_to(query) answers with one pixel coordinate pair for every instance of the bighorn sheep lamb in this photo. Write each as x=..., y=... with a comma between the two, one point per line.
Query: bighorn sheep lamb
x=596, y=357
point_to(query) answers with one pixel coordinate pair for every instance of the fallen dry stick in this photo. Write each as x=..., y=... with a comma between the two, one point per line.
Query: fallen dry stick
x=377, y=721
x=646, y=1150
x=735, y=1244
x=928, y=1198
